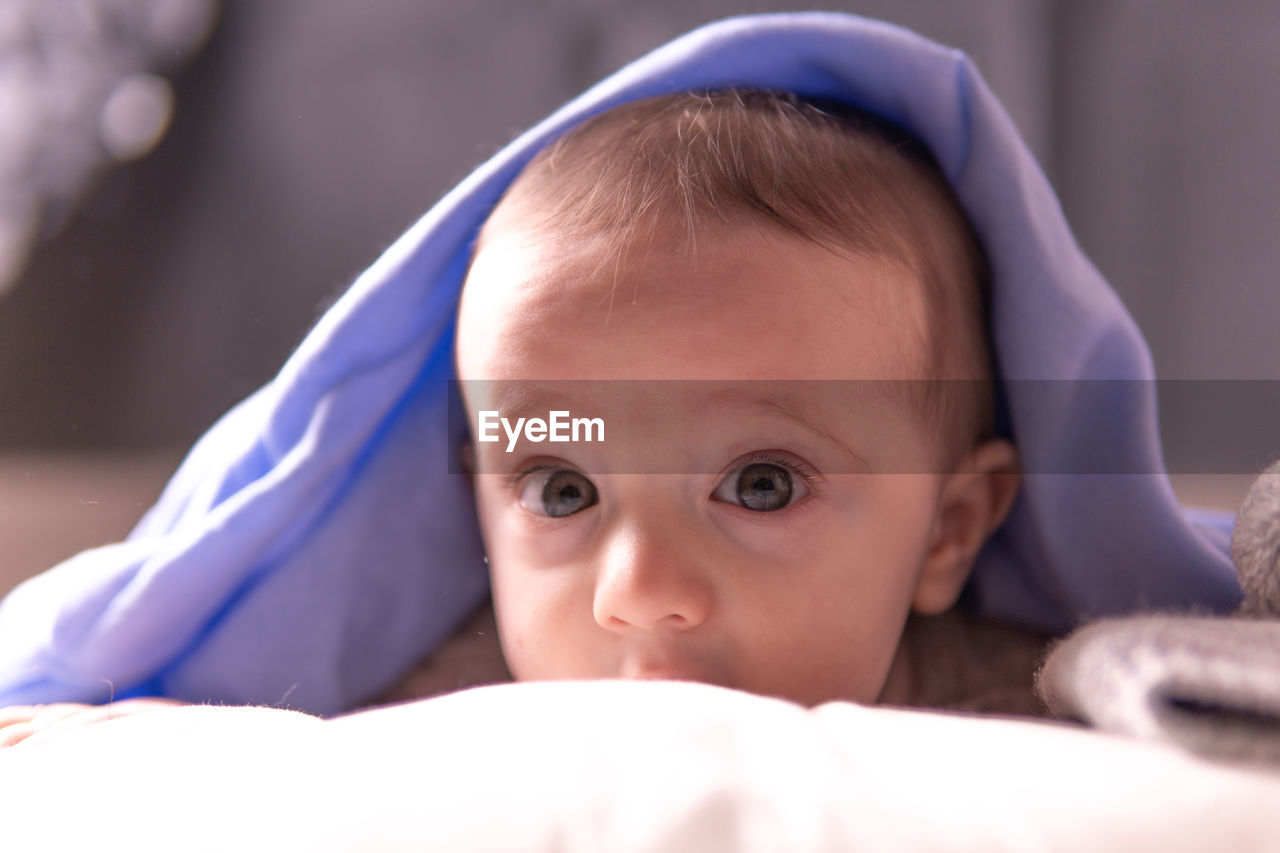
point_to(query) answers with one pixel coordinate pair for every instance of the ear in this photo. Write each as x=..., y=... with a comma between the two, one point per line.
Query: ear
x=975, y=498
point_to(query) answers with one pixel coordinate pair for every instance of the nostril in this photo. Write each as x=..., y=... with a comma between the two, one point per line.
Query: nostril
x=641, y=586
x=675, y=621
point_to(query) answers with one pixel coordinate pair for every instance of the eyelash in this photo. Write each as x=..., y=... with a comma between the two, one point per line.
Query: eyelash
x=774, y=457
x=513, y=480
x=798, y=467
x=809, y=477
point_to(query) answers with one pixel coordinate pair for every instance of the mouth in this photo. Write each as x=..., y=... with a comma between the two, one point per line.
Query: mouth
x=661, y=672
x=660, y=675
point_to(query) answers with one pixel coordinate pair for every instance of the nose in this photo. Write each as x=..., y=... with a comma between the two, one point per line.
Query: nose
x=648, y=580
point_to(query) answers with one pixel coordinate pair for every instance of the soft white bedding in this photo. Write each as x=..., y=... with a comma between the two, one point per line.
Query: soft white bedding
x=618, y=766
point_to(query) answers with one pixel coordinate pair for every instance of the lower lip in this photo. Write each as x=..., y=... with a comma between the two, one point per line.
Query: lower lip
x=662, y=675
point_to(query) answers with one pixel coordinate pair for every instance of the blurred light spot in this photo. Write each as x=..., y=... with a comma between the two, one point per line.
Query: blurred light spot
x=178, y=25
x=136, y=115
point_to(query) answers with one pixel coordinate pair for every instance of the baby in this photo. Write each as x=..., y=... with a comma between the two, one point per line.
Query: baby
x=771, y=318
x=810, y=455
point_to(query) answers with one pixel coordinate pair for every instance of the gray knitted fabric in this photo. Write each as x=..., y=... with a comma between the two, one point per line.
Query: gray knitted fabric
x=1211, y=685
x=1255, y=545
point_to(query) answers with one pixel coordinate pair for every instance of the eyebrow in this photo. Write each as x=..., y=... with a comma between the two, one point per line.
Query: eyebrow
x=516, y=398
x=508, y=395
x=795, y=415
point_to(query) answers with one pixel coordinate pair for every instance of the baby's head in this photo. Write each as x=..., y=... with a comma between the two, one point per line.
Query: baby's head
x=770, y=524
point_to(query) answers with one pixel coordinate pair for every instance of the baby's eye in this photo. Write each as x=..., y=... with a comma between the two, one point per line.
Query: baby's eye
x=761, y=486
x=556, y=492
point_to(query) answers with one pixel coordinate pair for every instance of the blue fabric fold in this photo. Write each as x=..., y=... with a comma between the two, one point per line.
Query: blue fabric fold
x=315, y=544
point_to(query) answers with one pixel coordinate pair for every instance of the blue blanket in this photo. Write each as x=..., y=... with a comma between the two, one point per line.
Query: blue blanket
x=314, y=544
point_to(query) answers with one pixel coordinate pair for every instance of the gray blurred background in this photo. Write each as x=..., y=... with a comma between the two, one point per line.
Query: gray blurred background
x=304, y=135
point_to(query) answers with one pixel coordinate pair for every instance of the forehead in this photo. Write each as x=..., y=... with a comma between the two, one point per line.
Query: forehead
x=748, y=302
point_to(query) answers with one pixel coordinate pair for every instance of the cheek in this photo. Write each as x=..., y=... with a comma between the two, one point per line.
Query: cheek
x=504, y=563
x=887, y=544
x=544, y=617
x=527, y=624
x=826, y=620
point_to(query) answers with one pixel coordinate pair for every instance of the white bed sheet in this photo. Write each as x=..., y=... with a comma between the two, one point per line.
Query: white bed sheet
x=618, y=766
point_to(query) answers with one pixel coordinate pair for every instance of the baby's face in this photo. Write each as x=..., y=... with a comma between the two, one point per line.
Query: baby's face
x=731, y=530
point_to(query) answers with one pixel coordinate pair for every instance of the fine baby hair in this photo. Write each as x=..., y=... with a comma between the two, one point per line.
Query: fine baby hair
x=681, y=168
